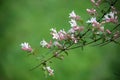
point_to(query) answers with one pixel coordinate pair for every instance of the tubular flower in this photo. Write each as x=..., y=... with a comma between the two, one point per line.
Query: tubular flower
x=77, y=28
x=57, y=44
x=26, y=47
x=62, y=35
x=74, y=39
x=71, y=30
x=43, y=43
x=49, y=70
x=110, y=17
x=96, y=3
x=73, y=23
x=72, y=15
x=94, y=22
x=54, y=33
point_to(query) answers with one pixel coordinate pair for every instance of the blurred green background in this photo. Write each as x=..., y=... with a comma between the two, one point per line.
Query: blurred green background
x=30, y=21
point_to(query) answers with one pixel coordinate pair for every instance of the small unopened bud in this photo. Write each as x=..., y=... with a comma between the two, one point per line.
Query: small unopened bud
x=91, y=11
x=108, y=31
x=74, y=39
x=81, y=28
x=61, y=57
x=117, y=35
x=101, y=29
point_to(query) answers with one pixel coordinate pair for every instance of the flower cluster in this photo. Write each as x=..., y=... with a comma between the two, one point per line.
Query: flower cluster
x=77, y=35
x=96, y=25
x=63, y=35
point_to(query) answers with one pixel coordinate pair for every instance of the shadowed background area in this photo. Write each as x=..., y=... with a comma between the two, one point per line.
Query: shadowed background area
x=30, y=21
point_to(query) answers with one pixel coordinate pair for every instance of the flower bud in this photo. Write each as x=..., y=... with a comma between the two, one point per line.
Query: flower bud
x=49, y=70
x=91, y=11
x=108, y=31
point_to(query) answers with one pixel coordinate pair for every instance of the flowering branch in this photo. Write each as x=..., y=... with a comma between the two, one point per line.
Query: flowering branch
x=77, y=37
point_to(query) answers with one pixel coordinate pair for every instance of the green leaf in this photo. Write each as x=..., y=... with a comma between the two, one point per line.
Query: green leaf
x=66, y=53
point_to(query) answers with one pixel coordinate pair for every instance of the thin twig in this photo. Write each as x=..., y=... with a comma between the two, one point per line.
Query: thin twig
x=115, y=27
x=84, y=44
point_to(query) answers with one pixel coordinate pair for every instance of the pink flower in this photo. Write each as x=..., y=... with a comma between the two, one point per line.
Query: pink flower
x=93, y=1
x=75, y=40
x=43, y=43
x=96, y=3
x=93, y=21
x=49, y=70
x=110, y=17
x=49, y=44
x=96, y=24
x=91, y=11
x=26, y=47
x=72, y=15
x=73, y=23
x=62, y=35
x=77, y=28
x=71, y=30
x=57, y=44
x=54, y=33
